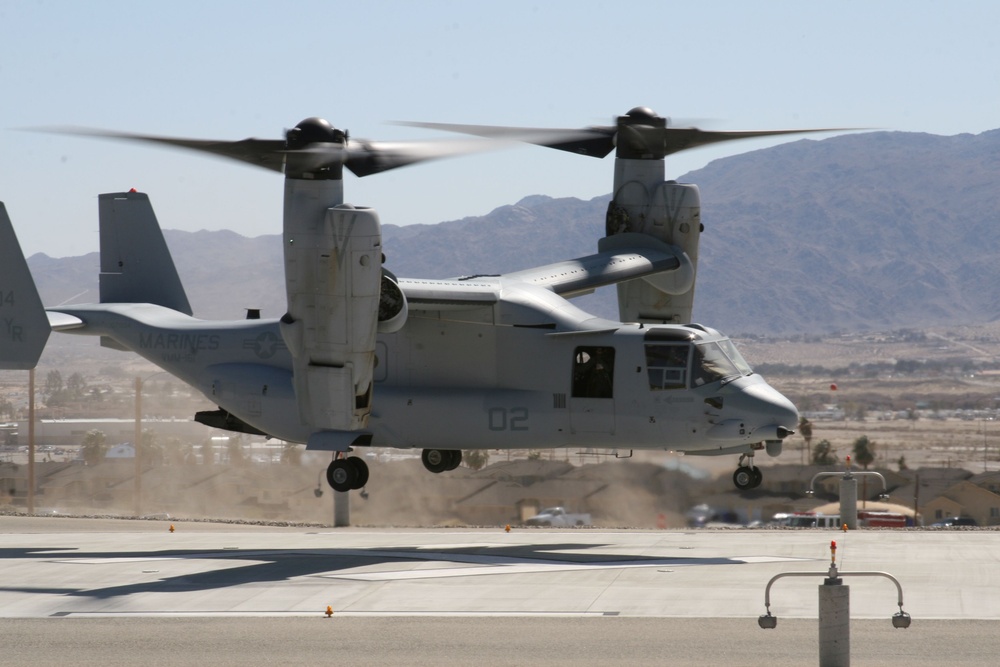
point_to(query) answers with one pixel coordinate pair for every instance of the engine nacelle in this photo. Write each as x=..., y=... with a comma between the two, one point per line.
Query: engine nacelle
x=392, y=306
x=332, y=279
x=669, y=212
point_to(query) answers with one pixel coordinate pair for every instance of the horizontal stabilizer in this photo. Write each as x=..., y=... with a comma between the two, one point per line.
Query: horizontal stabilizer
x=24, y=326
x=63, y=322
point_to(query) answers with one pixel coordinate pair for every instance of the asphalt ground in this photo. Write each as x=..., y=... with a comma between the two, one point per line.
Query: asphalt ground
x=89, y=592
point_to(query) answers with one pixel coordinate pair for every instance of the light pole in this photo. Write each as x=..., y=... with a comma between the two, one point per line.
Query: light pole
x=137, y=439
x=31, y=441
x=982, y=425
x=139, y=382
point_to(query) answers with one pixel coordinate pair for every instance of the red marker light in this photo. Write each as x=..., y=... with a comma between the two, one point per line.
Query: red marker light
x=132, y=190
x=833, y=387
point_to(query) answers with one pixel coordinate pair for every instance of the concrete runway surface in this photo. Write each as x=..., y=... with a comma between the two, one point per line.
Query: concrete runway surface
x=110, y=592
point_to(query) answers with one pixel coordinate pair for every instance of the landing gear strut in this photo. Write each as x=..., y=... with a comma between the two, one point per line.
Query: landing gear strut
x=747, y=476
x=347, y=474
x=441, y=460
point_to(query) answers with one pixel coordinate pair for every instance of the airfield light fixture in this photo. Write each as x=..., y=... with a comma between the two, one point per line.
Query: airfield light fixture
x=769, y=622
x=318, y=491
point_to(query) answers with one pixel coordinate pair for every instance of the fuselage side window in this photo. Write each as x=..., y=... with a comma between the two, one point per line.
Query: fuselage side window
x=593, y=372
x=667, y=365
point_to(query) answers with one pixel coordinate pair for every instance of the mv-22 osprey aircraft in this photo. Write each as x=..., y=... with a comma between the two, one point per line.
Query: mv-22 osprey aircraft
x=362, y=358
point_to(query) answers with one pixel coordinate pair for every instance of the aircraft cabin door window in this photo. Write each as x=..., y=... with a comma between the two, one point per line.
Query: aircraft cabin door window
x=593, y=372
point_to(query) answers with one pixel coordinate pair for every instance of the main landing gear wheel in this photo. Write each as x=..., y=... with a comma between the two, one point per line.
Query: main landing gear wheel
x=362, y=467
x=746, y=478
x=347, y=474
x=441, y=460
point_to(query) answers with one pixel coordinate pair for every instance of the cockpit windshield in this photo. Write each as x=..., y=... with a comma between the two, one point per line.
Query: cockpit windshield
x=719, y=360
x=671, y=364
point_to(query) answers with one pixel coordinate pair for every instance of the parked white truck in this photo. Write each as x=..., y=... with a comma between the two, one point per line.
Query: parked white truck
x=558, y=516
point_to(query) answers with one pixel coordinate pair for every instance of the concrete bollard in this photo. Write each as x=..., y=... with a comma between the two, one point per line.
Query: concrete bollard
x=834, y=624
x=849, y=501
x=341, y=509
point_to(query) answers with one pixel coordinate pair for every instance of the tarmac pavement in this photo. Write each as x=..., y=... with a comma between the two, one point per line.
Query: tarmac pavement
x=89, y=591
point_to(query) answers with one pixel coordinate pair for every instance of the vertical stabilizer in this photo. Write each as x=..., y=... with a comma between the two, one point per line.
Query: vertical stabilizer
x=136, y=266
x=24, y=326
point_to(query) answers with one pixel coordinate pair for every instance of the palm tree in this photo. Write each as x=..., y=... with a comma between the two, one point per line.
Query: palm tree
x=94, y=447
x=864, y=451
x=823, y=453
x=806, y=429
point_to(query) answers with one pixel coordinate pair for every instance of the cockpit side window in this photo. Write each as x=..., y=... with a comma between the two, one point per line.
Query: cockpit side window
x=593, y=372
x=667, y=365
x=717, y=361
x=737, y=358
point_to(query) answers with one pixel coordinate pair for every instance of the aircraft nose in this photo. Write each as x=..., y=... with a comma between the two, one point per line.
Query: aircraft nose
x=770, y=405
x=755, y=413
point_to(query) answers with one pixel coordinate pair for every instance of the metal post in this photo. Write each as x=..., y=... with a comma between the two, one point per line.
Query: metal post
x=849, y=500
x=834, y=616
x=138, y=440
x=982, y=422
x=31, y=441
x=834, y=623
x=341, y=507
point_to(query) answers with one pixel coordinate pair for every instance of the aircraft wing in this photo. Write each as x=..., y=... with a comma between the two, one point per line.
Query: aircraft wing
x=621, y=257
x=456, y=294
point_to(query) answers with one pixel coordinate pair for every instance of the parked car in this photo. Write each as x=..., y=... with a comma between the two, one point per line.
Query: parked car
x=811, y=520
x=558, y=516
x=955, y=521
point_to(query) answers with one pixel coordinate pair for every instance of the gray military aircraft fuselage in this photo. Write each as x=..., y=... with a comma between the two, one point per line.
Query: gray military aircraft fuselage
x=445, y=385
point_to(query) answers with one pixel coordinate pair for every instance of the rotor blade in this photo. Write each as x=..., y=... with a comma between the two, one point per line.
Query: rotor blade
x=362, y=157
x=266, y=153
x=598, y=141
x=592, y=141
x=677, y=139
x=365, y=158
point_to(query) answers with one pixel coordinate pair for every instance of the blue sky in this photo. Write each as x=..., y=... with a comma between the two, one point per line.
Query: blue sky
x=230, y=70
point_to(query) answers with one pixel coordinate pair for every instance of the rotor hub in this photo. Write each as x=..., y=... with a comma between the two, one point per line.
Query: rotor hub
x=642, y=116
x=313, y=131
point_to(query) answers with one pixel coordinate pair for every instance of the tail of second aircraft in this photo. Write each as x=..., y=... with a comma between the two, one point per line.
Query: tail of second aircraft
x=136, y=266
x=24, y=326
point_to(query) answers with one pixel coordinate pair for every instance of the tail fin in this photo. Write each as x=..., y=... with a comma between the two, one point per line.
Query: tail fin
x=136, y=266
x=24, y=326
